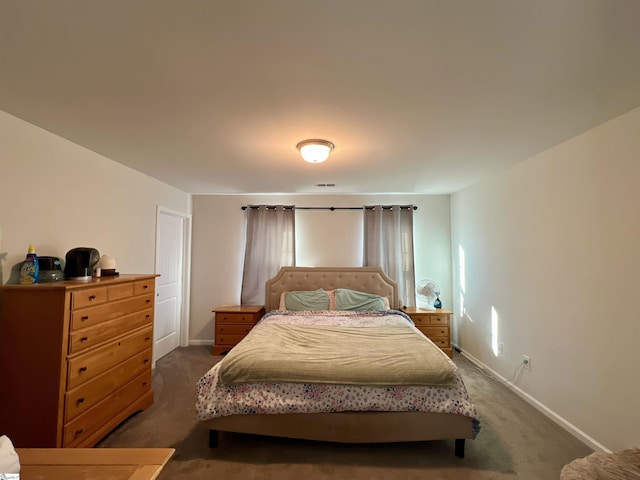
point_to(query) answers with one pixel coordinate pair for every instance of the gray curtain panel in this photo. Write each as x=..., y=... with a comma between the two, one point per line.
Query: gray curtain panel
x=388, y=243
x=270, y=244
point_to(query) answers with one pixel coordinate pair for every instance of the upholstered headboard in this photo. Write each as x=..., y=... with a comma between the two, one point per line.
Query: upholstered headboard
x=363, y=279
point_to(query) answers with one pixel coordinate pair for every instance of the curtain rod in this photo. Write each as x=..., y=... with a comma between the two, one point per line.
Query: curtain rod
x=288, y=207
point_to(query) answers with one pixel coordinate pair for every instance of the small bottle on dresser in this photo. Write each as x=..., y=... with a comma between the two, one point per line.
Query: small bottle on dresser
x=30, y=270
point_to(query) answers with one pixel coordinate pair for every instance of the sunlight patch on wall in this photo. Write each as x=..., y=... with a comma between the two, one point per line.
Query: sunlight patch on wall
x=461, y=268
x=462, y=282
x=494, y=331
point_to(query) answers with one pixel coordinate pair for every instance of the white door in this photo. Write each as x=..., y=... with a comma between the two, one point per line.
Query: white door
x=170, y=248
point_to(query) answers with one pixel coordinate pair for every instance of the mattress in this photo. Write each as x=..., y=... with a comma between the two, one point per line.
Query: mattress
x=217, y=399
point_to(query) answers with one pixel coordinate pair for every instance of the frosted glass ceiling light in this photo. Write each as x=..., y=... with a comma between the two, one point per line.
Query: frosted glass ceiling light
x=315, y=151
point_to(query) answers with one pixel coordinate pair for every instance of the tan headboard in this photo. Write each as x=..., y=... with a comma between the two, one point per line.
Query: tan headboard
x=363, y=279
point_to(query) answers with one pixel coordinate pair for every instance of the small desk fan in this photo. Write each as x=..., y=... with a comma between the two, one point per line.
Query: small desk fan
x=427, y=291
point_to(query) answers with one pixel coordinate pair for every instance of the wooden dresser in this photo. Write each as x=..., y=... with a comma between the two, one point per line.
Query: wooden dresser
x=435, y=324
x=75, y=358
x=233, y=322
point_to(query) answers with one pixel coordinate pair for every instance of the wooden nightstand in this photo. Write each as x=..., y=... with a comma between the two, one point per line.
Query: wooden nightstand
x=233, y=322
x=435, y=324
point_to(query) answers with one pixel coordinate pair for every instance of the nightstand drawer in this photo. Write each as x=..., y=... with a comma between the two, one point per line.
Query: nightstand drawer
x=435, y=319
x=233, y=329
x=236, y=318
x=435, y=331
x=439, y=319
x=442, y=342
x=228, y=339
x=420, y=320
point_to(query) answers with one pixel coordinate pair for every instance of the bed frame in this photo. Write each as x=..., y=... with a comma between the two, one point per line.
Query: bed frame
x=344, y=427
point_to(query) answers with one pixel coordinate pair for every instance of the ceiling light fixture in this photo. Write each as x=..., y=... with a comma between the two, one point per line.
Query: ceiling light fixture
x=315, y=151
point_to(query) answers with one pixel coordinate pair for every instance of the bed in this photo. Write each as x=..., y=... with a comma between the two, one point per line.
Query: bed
x=313, y=410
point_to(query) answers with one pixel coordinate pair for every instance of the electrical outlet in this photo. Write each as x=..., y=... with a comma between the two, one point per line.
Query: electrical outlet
x=526, y=361
x=500, y=349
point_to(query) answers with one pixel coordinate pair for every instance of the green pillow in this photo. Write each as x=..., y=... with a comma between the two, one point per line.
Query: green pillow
x=353, y=300
x=307, y=300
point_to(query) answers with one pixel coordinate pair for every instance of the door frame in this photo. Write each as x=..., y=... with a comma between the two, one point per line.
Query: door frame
x=183, y=327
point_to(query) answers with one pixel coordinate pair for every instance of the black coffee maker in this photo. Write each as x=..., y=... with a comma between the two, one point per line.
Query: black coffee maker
x=80, y=262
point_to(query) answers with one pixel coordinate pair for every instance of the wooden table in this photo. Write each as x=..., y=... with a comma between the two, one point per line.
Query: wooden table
x=92, y=463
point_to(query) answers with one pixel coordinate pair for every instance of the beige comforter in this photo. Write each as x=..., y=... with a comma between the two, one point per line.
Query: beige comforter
x=375, y=356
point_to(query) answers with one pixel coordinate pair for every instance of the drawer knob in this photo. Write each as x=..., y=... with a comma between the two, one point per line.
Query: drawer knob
x=147, y=316
x=144, y=287
x=79, y=432
x=92, y=297
x=80, y=400
x=83, y=369
x=146, y=360
x=146, y=339
x=84, y=339
x=148, y=301
x=85, y=317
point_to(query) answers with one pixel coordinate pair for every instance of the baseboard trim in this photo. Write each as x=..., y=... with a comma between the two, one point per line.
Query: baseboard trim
x=200, y=342
x=561, y=421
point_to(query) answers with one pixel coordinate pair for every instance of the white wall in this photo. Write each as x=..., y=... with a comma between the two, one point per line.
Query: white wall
x=324, y=238
x=553, y=245
x=59, y=195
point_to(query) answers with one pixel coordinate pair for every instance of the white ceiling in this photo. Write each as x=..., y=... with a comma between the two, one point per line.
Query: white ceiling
x=419, y=96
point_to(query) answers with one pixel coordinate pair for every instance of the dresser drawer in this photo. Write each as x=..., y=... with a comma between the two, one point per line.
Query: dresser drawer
x=91, y=364
x=233, y=329
x=86, y=317
x=144, y=286
x=89, y=393
x=91, y=336
x=85, y=424
x=95, y=315
x=228, y=339
x=227, y=317
x=88, y=297
x=116, y=292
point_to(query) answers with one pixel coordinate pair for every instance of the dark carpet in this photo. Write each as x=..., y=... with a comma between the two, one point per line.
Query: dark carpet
x=516, y=441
